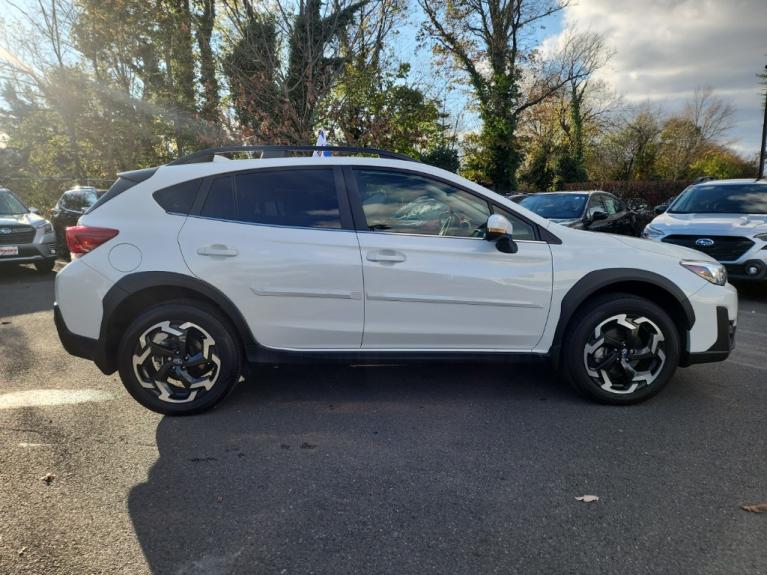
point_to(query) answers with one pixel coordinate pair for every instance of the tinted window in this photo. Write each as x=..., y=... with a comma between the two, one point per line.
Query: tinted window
x=595, y=205
x=713, y=199
x=219, y=203
x=612, y=205
x=78, y=200
x=556, y=206
x=521, y=229
x=178, y=199
x=298, y=198
x=398, y=202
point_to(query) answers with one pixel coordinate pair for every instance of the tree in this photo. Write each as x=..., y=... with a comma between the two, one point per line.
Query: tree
x=276, y=91
x=489, y=41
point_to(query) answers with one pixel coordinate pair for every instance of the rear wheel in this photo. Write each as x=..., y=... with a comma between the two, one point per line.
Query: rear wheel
x=621, y=349
x=179, y=358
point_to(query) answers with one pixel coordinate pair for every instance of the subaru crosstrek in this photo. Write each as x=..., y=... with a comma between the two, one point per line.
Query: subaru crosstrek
x=185, y=275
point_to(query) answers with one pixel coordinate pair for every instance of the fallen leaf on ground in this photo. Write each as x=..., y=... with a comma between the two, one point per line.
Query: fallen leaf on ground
x=48, y=478
x=758, y=508
x=588, y=498
x=21, y=551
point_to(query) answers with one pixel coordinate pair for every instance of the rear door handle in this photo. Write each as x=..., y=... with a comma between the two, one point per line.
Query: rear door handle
x=387, y=256
x=217, y=250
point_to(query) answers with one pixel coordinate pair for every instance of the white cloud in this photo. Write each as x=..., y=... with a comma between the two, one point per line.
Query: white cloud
x=664, y=49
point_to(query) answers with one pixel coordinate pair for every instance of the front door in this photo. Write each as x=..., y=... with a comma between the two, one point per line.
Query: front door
x=280, y=244
x=431, y=281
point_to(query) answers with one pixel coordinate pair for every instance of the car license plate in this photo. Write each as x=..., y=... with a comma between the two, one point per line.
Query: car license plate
x=9, y=250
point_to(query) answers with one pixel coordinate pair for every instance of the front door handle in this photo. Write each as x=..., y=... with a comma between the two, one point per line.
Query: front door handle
x=217, y=250
x=386, y=256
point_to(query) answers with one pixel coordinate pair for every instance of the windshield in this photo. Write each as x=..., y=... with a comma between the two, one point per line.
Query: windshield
x=556, y=206
x=732, y=199
x=9, y=205
x=79, y=200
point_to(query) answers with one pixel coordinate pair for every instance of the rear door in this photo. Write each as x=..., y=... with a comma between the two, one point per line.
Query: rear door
x=431, y=281
x=281, y=245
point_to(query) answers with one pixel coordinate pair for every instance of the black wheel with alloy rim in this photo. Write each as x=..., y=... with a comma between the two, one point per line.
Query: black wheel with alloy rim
x=179, y=359
x=621, y=349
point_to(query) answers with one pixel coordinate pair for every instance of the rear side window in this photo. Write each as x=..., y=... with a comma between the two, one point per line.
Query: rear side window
x=296, y=198
x=219, y=203
x=178, y=199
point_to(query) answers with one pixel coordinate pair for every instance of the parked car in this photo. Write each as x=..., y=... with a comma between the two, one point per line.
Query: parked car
x=71, y=205
x=185, y=274
x=25, y=237
x=725, y=219
x=594, y=211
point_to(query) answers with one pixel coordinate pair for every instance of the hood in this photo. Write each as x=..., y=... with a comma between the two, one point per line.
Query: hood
x=711, y=224
x=28, y=219
x=662, y=249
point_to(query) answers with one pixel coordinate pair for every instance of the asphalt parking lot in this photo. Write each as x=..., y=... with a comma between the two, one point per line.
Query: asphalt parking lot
x=365, y=470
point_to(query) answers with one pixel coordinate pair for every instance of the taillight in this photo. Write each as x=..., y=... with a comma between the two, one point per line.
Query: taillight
x=84, y=239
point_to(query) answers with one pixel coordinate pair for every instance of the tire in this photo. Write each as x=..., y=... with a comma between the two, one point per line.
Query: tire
x=45, y=266
x=620, y=349
x=179, y=358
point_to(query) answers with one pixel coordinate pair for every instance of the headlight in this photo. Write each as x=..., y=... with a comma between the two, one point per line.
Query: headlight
x=47, y=229
x=762, y=237
x=651, y=231
x=710, y=271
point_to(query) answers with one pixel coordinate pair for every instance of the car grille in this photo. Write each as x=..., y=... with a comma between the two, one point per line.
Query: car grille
x=17, y=235
x=724, y=248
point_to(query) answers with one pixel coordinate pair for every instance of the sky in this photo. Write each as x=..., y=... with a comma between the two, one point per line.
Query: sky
x=664, y=50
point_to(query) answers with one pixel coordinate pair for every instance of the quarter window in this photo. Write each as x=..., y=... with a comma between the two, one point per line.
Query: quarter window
x=178, y=199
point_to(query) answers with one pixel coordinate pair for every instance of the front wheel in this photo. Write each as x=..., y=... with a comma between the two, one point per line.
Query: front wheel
x=621, y=349
x=179, y=358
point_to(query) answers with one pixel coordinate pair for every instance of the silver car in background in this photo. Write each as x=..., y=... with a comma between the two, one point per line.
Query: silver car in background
x=726, y=219
x=25, y=237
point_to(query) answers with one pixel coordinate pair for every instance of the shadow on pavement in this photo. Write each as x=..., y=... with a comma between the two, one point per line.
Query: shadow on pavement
x=25, y=290
x=446, y=469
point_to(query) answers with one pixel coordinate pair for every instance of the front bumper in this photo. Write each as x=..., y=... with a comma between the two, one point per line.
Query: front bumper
x=724, y=344
x=38, y=251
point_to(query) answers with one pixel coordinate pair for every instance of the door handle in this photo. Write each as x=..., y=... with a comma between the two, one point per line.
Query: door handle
x=387, y=256
x=217, y=250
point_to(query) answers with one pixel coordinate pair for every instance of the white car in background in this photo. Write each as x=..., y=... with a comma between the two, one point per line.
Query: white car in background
x=725, y=219
x=186, y=274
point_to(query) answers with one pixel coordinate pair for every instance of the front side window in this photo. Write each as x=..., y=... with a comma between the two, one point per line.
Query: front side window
x=612, y=206
x=403, y=203
x=521, y=230
x=595, y=205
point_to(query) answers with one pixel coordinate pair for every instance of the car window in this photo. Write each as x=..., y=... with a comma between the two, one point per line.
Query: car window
x=556, y=206
x=219, y=203
x=298, y=198
x=521, y=230
x=404, y=203
x=718, y=199
x=595, y=205
x=178, y=199
x=612, y=206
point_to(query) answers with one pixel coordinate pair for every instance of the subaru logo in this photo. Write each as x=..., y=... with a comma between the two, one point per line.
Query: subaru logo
x=5, y=230
x=704, y=242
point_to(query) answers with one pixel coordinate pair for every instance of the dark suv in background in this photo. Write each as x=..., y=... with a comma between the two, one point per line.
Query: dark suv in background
x=594, y=211
x=71, y=205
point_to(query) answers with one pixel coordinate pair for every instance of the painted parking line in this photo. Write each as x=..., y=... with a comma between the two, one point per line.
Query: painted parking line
x=51, y=397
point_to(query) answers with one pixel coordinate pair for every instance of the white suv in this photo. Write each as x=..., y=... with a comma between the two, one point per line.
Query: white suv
x=185, y=275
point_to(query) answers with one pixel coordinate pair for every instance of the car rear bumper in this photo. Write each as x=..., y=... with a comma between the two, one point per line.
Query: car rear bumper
x=79, y=345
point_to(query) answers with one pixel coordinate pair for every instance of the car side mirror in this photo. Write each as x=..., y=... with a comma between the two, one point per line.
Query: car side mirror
x=499, y=230
x=598, y=216
x=659, y=209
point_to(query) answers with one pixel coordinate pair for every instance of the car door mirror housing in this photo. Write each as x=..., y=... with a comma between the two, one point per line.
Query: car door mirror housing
x=598, y=216
x=499, y=230
x=497, y=227
x=659, y=209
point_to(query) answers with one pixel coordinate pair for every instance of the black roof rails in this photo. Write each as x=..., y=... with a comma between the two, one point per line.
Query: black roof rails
x=283, y=152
